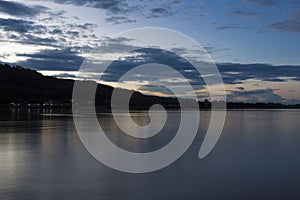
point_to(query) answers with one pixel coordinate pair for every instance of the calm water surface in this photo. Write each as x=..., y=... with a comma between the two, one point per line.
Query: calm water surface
x=257, y=157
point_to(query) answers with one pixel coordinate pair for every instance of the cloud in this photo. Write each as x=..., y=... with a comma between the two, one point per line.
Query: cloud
x=252, y=96
x=65, y=75
x=115, y=45
x=234, y=73
x=56, y=31
x=117, y=10
x=231, y=27
x=73, y=34
x=159, y=12
x=121, y=11
x=115, y=6
x=211, y=49
x=25, y=32
x=119, y=20
x=156, y=89
x=64, y=59
x=19, y=25
x=19, y=9
x=87, y=26
x=246, y=13
x=82, y=27
x=240, y=88
x=151, y=55
x=33, y=33
x=288, y=25
x=31, y=39
x=264, y=2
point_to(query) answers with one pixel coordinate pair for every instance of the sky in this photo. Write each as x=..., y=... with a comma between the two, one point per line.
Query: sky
x=255, y=43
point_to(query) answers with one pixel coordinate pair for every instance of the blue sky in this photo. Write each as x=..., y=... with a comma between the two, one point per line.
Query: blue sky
x=255, y=43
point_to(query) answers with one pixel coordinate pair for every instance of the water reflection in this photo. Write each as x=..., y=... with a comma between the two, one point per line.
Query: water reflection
x=257, y=157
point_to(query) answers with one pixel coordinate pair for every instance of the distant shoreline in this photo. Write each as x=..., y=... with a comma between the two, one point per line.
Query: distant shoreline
x=25, y=88
x=106, y=108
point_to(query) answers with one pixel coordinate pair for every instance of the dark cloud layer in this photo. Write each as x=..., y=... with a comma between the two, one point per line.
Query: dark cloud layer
x=19, y=9
x=288, y=25
x=152, y=55
x=64, y=59
x=25, y=32
x=18, y=25
x=233, y=72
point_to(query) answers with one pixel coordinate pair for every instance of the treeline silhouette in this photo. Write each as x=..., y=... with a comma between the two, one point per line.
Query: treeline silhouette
x=27, y=88
x=20, y=87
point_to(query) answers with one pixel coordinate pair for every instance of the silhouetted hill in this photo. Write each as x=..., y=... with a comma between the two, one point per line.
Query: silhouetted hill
x=24, y=86
x=21, y=85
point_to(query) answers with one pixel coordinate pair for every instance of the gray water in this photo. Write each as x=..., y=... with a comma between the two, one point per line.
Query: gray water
x=257, y=157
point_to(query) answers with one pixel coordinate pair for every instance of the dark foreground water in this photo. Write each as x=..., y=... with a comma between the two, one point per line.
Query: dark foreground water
x=257, y=157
